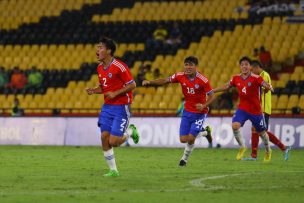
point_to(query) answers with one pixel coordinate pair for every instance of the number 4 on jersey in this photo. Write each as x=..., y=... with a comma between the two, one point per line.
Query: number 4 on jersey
x=244, y=90
x=261, y=123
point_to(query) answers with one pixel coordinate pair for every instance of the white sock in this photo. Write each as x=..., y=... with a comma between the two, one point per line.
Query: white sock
x=202, y=133
x=187, y=152
x=238, y=137
x=265, y=139
x=128, y=133
x=110, y=159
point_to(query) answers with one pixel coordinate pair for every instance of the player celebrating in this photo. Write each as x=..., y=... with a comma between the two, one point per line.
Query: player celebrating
x=198, y=95
x=116, y=83
x=266, y=106
x=249, y=108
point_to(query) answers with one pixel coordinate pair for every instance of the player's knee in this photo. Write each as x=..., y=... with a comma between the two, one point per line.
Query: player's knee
x=191, y=139
x=235, y=126
x=114, y=143
x=183, y=139
x=104, y=138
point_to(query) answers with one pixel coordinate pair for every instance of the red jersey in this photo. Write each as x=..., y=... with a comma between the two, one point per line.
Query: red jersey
x=249, y=92
x=114, y=77
x=194, y=90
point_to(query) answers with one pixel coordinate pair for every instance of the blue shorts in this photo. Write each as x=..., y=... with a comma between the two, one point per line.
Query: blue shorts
x=257, y=121
x=191, y=123
x=114, y=119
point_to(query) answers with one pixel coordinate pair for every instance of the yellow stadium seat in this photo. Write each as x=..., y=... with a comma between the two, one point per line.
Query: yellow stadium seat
x=160, y=90
x=295, y=76
x=148, y=98
x=285, y=77
x=301, y=102
x=138, y=98
x=282, y=102
x=143, y=106
x=173, y=106
x=157, y=98
x=163, y=105
x=299, y=70
x=170, y=90
x=274, y=99
x=167, y=98
x=293, y=101
x=131, y=47
x=224, y=111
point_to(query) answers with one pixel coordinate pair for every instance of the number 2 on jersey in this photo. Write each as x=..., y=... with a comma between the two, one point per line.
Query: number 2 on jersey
x=104, y=82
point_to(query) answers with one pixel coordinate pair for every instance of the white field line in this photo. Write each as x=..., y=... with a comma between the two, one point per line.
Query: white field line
x=200, y=182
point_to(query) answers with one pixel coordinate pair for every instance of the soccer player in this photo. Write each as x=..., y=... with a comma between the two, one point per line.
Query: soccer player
x=266, y=106
x=116, y=84
x=249, y=108
x=198, y=95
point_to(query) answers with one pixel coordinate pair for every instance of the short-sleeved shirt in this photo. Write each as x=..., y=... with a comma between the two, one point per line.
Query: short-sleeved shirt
x=114, y=77
x=266, y=96
x=249, y=92
x=195, y=90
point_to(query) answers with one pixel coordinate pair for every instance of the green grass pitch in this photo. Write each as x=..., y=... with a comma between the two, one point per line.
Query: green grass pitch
x=75, y=174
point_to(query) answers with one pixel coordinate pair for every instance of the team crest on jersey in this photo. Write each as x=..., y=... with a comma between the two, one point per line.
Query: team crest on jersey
x=110, y=75
x=196, y=86
x=249, y=84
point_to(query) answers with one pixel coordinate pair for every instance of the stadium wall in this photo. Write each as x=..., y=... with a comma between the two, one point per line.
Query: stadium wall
x=155, y=132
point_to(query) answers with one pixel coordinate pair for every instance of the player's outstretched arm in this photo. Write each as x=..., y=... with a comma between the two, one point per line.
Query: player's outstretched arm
x=160, y=81
x=94, y=90
x=267, y=86
x=125, y=89
x=222, y=89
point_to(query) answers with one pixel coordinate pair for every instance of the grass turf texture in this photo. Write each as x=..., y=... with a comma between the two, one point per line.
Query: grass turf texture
x=75, y=174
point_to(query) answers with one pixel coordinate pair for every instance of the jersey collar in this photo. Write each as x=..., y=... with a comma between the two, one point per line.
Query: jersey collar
x=245, y=77
x=192, y=79
x=106, y=68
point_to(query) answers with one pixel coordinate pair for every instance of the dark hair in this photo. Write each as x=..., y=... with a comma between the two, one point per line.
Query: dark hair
x=256, y=63
x=191, y=59
x=245, y=58
x=109, y=44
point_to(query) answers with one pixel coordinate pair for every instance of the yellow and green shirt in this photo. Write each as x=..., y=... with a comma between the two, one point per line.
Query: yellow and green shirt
x=266, y=97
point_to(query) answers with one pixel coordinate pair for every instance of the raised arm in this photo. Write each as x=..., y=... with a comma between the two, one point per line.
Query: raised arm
x=160, y=81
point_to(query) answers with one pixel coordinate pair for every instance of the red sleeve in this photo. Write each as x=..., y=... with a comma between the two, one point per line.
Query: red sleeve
x=125, y=75
x=173, y=78
x=260, y=80
x=232, y=81
x=207, y=87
